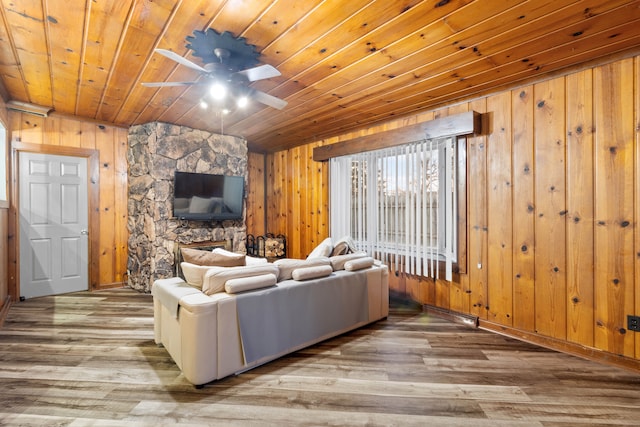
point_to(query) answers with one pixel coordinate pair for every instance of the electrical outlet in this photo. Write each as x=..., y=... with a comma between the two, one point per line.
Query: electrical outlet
x=633, y=323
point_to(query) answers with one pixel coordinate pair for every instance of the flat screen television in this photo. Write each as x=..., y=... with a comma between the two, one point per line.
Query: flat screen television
x=207, y=197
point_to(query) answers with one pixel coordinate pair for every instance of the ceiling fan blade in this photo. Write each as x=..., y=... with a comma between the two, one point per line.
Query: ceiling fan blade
x=180, y=60
x=269, y=100
x=260, y=73
x=167, y=84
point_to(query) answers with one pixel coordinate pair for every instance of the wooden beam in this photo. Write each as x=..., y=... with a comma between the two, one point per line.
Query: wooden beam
x=466, y=123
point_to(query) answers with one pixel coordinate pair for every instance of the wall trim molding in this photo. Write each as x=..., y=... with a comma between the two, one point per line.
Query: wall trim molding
x=463, y=319
x=554, y=344
x=573, y=349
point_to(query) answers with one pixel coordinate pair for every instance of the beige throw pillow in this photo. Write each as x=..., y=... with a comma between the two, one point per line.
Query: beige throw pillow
x=344, y=246
x=323, y=249
x=219, y=258
x=341, y=248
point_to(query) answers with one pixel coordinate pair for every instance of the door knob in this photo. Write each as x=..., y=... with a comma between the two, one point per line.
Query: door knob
x=84, y=232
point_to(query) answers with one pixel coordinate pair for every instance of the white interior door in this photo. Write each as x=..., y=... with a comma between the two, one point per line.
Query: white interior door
x=53, y=224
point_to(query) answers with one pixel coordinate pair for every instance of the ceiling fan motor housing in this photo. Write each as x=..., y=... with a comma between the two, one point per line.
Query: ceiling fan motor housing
x=221, y=54
x=234, y=52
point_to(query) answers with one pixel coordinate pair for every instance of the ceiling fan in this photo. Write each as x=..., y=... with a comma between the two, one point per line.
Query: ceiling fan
x=229, y=68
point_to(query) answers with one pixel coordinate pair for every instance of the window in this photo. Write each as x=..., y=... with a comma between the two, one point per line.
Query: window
x=399, y=204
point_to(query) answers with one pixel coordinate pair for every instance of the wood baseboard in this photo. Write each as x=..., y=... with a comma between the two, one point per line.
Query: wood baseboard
x=4, y=310
x=464, y=319
x=114, y=285
x=533, y=338
x=564, y=346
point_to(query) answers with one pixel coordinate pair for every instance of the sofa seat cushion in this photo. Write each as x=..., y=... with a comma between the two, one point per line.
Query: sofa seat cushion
x=216, y=277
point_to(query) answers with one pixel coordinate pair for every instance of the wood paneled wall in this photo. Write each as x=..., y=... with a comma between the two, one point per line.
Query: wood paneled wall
x=296, y=203
x=4, y=258
x=4, y=221
x=553, y=217
x=63, y=134
x=256, y=218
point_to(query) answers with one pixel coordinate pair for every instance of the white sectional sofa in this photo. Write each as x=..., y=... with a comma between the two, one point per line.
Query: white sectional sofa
x=233, y=330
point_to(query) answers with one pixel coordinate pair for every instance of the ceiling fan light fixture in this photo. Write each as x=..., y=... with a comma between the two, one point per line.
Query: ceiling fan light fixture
x=242, y=101
x=218, y=91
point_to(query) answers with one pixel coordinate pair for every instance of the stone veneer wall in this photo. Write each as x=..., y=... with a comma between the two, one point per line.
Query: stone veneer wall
x=155, y=152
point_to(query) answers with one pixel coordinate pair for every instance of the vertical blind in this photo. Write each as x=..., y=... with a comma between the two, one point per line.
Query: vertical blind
x=399, y=204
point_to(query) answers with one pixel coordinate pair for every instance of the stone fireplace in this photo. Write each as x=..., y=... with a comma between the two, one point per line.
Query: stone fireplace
x=156, y=150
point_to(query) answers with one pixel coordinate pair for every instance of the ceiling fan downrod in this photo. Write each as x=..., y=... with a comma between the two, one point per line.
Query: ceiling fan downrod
x=221, y=54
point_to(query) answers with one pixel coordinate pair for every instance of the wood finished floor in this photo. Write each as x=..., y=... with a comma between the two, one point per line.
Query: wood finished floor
x=88, y=359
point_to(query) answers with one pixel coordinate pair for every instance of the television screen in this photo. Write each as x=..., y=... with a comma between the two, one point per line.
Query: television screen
x=206, y=197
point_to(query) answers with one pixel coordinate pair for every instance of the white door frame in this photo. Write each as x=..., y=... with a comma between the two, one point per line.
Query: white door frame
x=93, y=175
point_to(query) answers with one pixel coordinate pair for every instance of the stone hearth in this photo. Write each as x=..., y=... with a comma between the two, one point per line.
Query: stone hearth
x=155, y=152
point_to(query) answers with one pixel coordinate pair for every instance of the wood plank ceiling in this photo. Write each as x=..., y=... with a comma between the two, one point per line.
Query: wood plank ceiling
x=345, y=64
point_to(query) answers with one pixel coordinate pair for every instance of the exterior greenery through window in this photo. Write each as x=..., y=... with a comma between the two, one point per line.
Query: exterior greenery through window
x=399, y=204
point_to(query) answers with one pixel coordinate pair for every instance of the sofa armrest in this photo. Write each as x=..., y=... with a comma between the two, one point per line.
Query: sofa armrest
x=190, y=333
x=378, y=289
x=166, y=295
